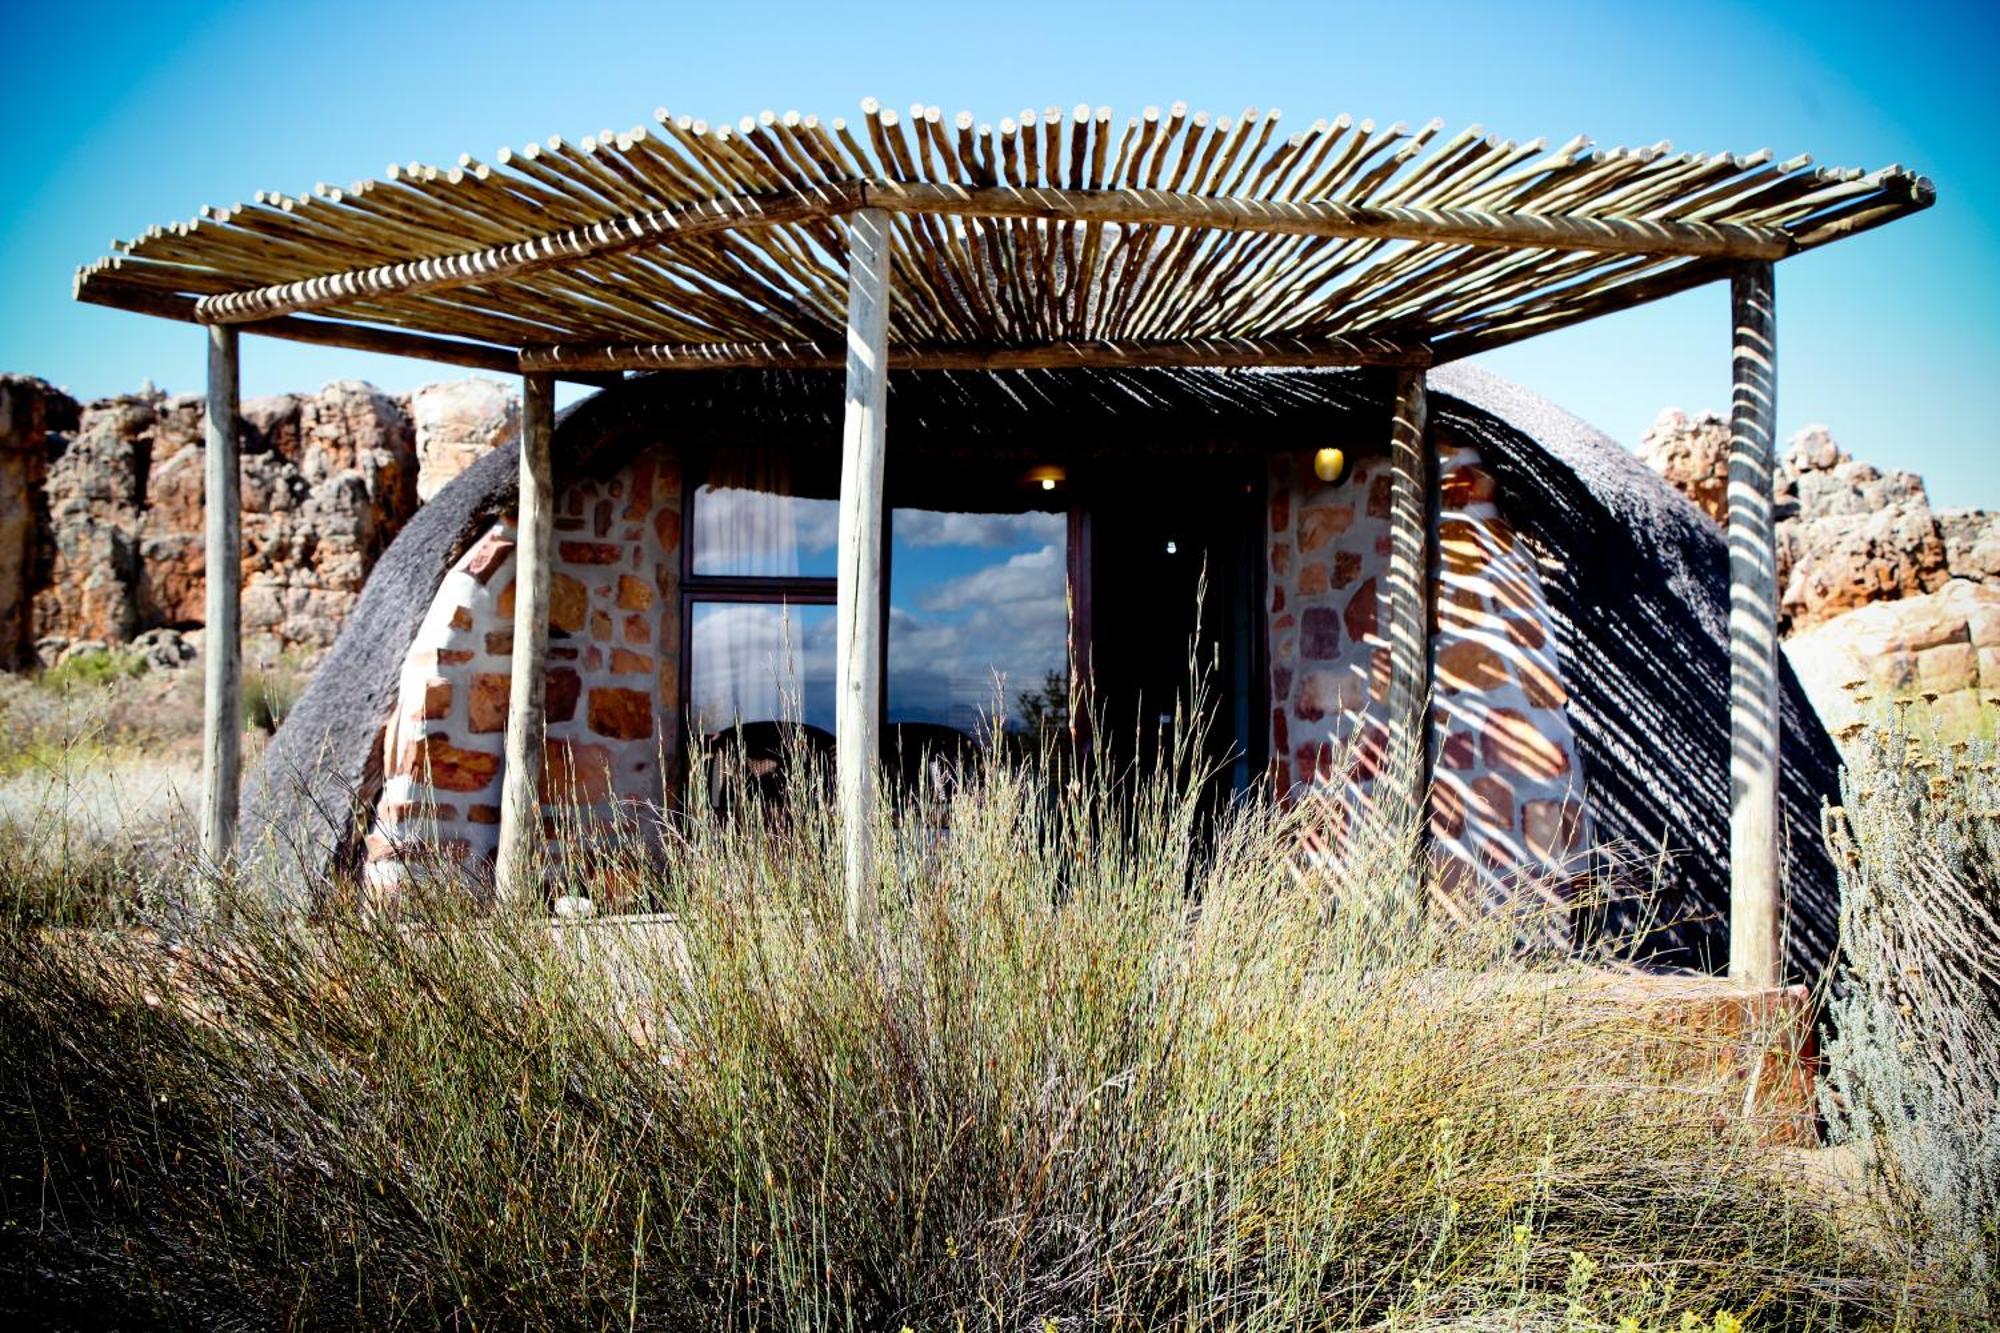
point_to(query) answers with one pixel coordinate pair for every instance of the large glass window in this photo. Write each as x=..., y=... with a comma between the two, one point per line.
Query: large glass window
x=978, y=618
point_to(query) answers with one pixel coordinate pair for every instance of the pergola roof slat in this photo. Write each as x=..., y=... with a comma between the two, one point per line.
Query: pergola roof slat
x=1173, y=236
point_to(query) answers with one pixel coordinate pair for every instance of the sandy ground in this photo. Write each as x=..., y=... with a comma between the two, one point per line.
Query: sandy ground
x=124, y=793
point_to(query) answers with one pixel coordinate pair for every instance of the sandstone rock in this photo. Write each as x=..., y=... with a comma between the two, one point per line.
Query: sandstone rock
x=1848, y=533
x=1693, y=454
x=1946, y=642
x=455, y=423
x=1971, y=543
x=31, y=411
x=164, y=649
x=328, y=480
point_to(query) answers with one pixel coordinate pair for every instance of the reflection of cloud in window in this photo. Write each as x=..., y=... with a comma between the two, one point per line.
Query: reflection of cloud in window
x=926, y=527
x=753, y=663
x=1030, y=576
x=1007, y=629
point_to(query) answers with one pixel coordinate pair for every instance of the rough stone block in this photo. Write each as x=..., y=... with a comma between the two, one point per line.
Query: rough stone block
x=486, y=704
x=1320, y=524
x=1319, y=634
x=1360, y=616
x=1470, y=664
x=1511, y=742
x=634, y=594
x=575, y=773
x=448, y=767
x=560, y=694
x=589, y=553
x=489, y=555
x=621, y=714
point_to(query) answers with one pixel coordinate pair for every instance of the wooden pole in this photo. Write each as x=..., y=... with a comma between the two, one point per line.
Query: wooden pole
x=222, y=686
x=516, y=874
x=1754, y=951
x=1405, y=612
x=858, y=698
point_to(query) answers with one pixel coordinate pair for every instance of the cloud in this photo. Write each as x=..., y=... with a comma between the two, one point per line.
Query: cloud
x=930, y=527
x=1037, y=576
x=757, y=662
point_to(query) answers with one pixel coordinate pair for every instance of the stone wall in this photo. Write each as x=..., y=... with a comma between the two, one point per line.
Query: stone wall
x=1508, y=814
x=614, y=672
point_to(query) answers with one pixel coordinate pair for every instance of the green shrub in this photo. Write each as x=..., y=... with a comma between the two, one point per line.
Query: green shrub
x=93, y=671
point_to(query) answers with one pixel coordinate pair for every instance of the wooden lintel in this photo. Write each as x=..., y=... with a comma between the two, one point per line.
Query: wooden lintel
x=332, y=333
x=1217, y=352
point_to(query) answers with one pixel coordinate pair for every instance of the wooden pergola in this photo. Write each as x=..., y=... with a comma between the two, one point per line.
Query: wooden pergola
x=917, y=243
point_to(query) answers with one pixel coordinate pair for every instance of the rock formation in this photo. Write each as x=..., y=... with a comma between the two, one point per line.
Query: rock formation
x=101, y=508
x=30, y=411
x=456, y=422
x=1877, y=587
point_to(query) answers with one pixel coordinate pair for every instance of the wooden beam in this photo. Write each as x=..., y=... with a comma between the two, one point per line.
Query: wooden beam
x=1209, y=352
x=858, y=586
x=1437, y=226
x=222, y=628
x=612, y=236
x=517, y=877
x=1405, y=612
x=329, y=332
x=1754, y=928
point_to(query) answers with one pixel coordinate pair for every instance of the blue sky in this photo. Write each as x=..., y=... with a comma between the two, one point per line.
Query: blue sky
x=125, y=115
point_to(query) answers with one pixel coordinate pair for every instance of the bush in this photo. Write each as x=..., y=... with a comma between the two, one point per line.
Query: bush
x=1914, y=1075
x=93, y=670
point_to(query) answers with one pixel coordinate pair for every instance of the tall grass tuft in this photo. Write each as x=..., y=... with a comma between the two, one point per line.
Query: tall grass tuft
x=1110, y=1059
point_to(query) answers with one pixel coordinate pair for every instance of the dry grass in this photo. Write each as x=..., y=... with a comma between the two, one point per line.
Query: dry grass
x=1100, y=1065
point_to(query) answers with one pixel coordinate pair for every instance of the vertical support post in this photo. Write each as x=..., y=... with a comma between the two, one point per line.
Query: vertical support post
x=515, y=873
x=858, y=613
x=1754, y=950
x=222, y=686
x=1405, y=612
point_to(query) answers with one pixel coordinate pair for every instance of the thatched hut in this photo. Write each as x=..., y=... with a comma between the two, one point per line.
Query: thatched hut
x=1119, y=366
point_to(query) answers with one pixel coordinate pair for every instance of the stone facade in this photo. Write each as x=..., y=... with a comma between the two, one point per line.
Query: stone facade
x=1508, y=812
x=614, y=679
